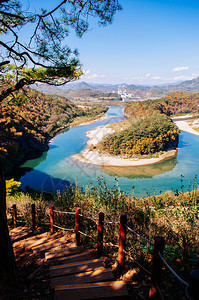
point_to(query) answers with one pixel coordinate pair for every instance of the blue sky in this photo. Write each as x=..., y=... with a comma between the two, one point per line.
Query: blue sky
x=150, y=42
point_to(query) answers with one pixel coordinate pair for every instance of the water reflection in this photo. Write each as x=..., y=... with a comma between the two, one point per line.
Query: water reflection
x=29, y=166
x=56, y=168
x=141, y=171
x=44, y=182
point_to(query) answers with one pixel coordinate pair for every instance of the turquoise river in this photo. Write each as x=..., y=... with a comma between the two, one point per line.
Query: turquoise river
x=55, y=169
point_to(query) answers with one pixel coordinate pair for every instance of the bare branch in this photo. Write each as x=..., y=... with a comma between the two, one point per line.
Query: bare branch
x=3, y=63
x=12, y=15
x=33, y=52
x=54, y=21
x=52, y=11
x=23, y=54
x=35, y=31
x=25, y=81
x=13, y=32
x=22, y=82
x=2, y=1
x=45, y=47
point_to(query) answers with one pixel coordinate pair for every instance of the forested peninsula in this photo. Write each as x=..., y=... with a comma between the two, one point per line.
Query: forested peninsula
x=149, y=129
x=146, y=136
x=30, y=119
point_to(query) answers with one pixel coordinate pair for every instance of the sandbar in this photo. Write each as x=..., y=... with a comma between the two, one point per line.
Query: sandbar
x=96, y=158
x=184, y=126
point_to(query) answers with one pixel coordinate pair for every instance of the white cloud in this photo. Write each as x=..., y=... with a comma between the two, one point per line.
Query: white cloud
x=143, y=79
x=194, y=75
x=178, y=69
x=148, y=75
x=96, y=76
x=158, y=79
x=179, y=78
x=86, y=72
x=133, y=78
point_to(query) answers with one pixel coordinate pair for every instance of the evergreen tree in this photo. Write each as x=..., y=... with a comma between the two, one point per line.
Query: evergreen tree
x=43, y=58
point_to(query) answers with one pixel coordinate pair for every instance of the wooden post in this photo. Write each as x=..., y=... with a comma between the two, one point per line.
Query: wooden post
x=122, y=240
x=156, y=267
x=77, y=225
x=14, y=215
x=193, y=288
x=33, y=217
x=51, y=218
x=100, y=234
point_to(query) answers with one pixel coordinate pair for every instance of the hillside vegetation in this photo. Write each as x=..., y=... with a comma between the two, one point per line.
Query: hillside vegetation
x=86, y=93
x=173, y=215
x=146, y=136
x=149, y=128
x=177, y=103
x=141, y=91
x=31, y=119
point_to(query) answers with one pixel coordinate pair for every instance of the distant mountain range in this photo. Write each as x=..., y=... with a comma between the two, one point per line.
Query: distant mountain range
x=83, y=90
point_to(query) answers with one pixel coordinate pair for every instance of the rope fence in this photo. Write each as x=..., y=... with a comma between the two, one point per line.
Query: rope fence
x=64, y=212
x=40, y=209
x=86, y=235
x=137, y=234
x=137, y=263
x=88, y=218
x=62, y=228
x=191, y=289
x=109, y=222
x=172, y=271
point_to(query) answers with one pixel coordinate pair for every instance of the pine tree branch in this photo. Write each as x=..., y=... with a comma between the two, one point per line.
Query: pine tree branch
x=3, y=63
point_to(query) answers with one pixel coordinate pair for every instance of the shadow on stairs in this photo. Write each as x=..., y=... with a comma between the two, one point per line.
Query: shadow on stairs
x=73, y=273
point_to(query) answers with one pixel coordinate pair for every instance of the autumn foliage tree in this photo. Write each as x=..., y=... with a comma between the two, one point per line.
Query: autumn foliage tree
x=146, y=136
x=177, y=103
x=45, y=58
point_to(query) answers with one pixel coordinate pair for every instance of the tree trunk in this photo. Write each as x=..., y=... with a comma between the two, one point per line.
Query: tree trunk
x=8, y=271
x=9, y=88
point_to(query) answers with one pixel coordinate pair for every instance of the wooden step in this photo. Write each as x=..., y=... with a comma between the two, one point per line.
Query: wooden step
x=16, y=230
x=85, y=277
x=36, y=240
x=20, y=235
x=78, y=257
x=78, y=267
x=97, y=290
x=50, y=244
x=64, y=253
x=40, y=239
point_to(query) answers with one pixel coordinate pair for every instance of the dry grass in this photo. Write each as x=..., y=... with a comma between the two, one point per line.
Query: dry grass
x=173, y=215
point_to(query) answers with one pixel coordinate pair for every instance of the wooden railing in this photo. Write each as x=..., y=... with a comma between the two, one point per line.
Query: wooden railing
x=191, y=289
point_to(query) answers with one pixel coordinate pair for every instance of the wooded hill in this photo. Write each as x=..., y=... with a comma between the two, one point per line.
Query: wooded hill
x=177, y=103
x=152, y=134
x=149, y=135
x=31, y=119
x=77, y=89
x=85, y=93
x=145, y=134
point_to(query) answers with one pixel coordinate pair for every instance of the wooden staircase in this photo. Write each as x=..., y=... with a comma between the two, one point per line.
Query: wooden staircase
x=74, y=273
